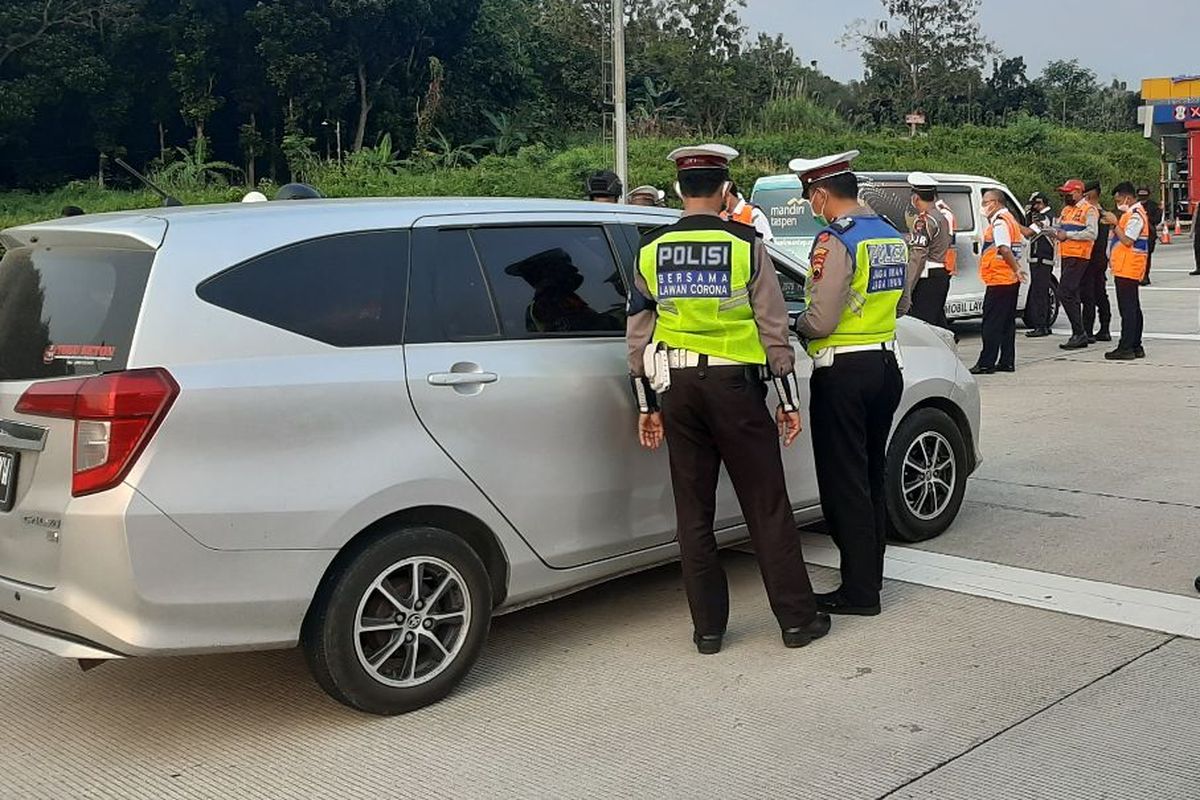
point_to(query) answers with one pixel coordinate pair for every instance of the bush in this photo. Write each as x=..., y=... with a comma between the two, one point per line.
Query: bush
x=1028, y=155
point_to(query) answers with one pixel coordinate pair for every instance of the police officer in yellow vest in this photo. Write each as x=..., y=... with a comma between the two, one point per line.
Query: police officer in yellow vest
x=857, y=280
x=1129, y=256
x=707, y=325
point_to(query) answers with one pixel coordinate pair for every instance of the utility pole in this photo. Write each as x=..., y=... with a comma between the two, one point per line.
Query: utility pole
x=620, y=131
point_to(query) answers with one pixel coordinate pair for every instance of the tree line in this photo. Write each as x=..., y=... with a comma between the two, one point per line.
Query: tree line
x=240, y=90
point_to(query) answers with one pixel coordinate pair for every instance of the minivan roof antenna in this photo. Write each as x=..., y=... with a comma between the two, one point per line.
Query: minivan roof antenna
x=167, y=199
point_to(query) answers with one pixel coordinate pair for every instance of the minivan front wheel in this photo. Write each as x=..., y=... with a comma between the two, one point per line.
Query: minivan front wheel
x=401, y=622
x=926, y=475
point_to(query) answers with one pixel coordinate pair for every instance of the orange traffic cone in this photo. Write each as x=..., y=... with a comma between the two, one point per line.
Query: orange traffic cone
x=1166, y=234
x=1178, y=228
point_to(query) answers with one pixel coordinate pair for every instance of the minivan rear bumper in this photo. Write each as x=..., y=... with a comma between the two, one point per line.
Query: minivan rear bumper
x=51, y=641
x=131, y=582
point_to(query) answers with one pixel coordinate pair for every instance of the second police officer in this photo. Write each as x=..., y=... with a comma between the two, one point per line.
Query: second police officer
x=706, y=319
x=857, y=280
x=930, y=249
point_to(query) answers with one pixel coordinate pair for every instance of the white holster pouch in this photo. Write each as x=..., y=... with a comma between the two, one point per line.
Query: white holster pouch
x=656, y=362
x=929, y=265
x=826, y=355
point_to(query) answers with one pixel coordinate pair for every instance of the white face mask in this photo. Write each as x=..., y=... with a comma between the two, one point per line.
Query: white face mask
x=1123, y=207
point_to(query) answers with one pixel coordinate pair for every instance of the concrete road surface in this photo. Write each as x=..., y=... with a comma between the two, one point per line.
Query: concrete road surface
x=1090, y=487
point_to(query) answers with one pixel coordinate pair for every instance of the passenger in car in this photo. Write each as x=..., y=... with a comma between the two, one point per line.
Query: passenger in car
x=556, y=306
x=708, y=316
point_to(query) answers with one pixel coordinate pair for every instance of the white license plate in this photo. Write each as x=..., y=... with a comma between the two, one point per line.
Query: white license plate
x=8, y=479
x=964, y=308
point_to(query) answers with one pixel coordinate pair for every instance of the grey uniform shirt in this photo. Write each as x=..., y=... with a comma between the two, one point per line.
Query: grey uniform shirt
x=929, y=240
x=766, y=301
x=830, y=284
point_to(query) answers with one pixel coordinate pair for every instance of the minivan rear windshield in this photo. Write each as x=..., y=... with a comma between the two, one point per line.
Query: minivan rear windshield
x=68, y=310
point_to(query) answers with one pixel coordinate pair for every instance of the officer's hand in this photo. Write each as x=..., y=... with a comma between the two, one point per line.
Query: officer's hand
x=1022, y=276
x=789, y=425
x=1062, y=237
x=650, y=430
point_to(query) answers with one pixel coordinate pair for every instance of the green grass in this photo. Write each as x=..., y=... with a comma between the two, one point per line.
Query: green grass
x=1028, y=155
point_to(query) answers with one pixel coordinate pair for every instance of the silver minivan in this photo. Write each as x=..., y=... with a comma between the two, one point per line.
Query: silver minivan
x=889, y=195
x=363, y=426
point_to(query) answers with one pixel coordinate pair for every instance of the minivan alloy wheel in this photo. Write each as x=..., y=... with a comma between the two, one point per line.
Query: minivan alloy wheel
x=929, y=475
x=412, y=621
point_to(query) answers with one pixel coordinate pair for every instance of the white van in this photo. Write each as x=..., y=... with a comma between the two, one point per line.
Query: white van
x=889, y=195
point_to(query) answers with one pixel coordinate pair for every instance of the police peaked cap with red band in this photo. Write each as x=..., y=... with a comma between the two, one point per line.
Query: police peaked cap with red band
x=703, y=156
x=811, y=170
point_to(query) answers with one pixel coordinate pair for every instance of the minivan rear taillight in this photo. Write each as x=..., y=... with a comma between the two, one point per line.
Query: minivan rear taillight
x=115, y=416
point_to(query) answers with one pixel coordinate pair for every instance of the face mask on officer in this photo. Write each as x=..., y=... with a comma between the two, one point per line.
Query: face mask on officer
x=819, y=216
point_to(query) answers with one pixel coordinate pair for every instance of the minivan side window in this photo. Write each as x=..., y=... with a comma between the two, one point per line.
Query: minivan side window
x=449, y=298
x=553, y=281
x=894, y=204
x=345, y=290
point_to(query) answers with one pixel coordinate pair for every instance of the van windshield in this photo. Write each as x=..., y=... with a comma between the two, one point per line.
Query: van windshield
x=68, y=311
x=791, y=218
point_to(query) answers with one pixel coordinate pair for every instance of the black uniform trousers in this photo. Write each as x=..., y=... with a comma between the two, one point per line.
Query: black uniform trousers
x=1038, y=301
x=1153, y=243
x=1000, y=326
x=1196, y=246
x=853, y=403
x=1130, y=304
x=719, y=415
x=1095, y=293
x=1070, y=288
x=929, y=298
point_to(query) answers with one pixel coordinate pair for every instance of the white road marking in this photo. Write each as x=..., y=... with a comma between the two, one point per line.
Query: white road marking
x=1173, y=614
x=1162, y=288
x=1177, y=337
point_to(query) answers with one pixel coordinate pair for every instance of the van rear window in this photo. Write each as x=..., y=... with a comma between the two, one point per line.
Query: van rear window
x=69, y=311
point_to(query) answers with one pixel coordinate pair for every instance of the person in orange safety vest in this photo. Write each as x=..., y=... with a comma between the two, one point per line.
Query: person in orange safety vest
x=738, y=210
x=1129, y=252
x=1000, y=270
x=1078, y=226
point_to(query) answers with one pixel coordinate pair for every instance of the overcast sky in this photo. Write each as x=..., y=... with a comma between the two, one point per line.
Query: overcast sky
x=1162, y=34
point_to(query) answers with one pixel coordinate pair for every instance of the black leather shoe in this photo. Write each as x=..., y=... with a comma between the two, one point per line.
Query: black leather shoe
x=798, y=637
x=979, y=369
x=1120, y=355
x=708, y=644
x=1075, y=343
x=834, y=603
x=1037, y=333
x=1139, y=352
x=1194, y=272
x=1091, y=338
x=1008, y=368
x=1104, y=335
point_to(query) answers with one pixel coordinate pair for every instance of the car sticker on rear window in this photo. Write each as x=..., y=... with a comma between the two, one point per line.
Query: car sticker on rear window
x=78, y=354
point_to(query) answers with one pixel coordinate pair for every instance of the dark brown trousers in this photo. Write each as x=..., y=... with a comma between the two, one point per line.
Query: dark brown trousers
x=714, y=416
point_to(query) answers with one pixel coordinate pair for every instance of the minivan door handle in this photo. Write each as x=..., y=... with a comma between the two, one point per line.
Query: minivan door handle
x=466, y=378
x=461, y=378
x=975, y=248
